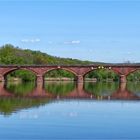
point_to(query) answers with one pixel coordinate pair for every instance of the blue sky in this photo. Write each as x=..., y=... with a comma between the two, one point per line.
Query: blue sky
x=103, y=30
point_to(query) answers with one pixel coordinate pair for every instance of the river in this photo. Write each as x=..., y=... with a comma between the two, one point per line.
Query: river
x=67, y=110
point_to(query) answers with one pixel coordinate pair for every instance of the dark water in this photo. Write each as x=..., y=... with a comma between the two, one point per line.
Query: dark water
x=66, y=110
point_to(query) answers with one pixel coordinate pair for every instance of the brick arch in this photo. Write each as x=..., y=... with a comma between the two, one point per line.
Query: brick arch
x=96, y=69
x=14, y=69
x=132, y=71
x=117, y=71
x=88, y=71
x=66, y=69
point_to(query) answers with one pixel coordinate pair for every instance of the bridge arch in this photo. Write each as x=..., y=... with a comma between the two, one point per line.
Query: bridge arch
x=117, y=71
x=16, y=69
x=132, y=71
x=135, y=72
x=99, y=69
x=63, y=69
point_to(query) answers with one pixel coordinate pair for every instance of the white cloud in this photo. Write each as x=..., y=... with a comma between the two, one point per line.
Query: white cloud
x=72, y=42
x=30, y=40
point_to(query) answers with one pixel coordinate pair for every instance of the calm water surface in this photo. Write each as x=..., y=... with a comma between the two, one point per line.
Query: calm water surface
x=66, y=110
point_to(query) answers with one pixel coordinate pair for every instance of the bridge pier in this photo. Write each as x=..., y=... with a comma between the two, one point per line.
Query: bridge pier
x=80, y=79
x=2, y=79
x=123, y=79
x=39, y=89
x=3, y=91
x=79, y=87
x=39, y=79
x=1, y=87
x=122, y=87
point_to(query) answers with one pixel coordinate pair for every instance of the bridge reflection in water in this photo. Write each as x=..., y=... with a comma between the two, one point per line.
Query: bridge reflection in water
x=72, y=90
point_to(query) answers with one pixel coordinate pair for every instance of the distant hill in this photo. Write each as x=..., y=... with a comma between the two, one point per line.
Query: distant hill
x=15, y=55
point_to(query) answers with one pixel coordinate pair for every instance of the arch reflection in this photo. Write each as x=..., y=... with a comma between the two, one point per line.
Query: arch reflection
x=134, y=87
x=101, y=89
x=58, y=90
x=20, y=88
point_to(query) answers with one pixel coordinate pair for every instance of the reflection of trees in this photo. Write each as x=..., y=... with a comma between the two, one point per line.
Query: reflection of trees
x=20, y=89
x=10, y=105
x=100, y=88
x=134, y=87
x=60, y=88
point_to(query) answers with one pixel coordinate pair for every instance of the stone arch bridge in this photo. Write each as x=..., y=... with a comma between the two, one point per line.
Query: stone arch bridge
x=78, y=70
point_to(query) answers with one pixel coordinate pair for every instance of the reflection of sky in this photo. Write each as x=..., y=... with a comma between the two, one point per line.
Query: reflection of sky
x=95, y=30
x=75, y=119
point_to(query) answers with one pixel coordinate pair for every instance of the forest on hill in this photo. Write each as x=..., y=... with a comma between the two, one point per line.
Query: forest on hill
x=15, y=55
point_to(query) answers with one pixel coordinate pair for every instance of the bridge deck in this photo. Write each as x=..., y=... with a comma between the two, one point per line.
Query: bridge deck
x=92, y=65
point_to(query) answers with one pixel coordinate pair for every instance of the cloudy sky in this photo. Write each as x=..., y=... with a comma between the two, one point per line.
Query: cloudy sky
x=96, y=30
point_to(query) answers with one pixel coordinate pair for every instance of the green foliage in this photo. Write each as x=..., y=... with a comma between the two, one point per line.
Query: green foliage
x=134, y=87
x=102, y=74
x=11, y=55
x=10, y=105
x=58, y=88
x=135, y=76
x=22, y=74
x=14, y=55
x=59, y=73
x=101, y=89
x=20, y=89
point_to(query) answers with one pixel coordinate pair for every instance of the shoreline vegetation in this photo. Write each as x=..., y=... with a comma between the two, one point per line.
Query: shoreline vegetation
x=60, y=79
x=10, y=55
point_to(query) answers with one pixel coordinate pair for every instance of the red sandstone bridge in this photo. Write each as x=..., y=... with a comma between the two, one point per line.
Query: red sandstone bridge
x=78, y=70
